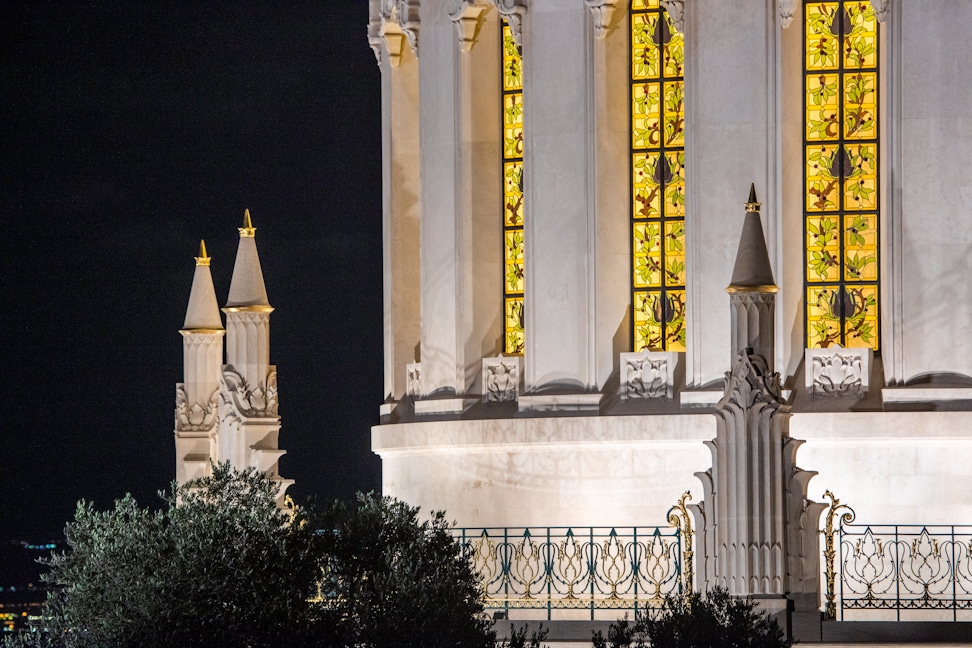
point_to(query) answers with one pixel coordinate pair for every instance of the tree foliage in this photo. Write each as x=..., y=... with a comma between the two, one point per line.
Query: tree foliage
x=716, y=620
x=395, y=582
x=221, y=565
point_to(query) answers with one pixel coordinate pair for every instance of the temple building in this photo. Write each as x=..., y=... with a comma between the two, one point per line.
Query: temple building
x=564, y=205
x=228, y=411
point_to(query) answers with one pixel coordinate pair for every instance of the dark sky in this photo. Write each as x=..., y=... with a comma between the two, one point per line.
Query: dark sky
x=129, y=132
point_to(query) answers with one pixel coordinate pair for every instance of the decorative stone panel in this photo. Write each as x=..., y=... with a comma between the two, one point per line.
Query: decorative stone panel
x=413, y=380
x=837, y=372
x=501, y=379
x=647, y=375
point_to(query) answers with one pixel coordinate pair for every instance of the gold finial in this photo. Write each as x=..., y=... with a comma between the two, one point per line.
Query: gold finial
x=202, y=259
x=247, y=231
x=752, y=205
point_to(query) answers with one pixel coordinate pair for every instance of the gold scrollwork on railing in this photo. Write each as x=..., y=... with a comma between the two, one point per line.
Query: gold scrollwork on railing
x=678, y=516
x=830, y=530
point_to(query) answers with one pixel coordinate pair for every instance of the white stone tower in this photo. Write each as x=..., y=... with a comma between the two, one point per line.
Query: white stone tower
x=197, y=397
x=248, y=420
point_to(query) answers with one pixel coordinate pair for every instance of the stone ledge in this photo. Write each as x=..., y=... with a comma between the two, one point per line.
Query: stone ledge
x=560, y=402
x=925, y=394
x=443, y=405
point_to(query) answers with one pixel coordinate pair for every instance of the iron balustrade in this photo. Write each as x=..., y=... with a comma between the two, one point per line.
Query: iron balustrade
x=620, y=568
x=895, y=567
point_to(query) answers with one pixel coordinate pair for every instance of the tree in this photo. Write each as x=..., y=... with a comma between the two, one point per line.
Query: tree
x=395, y=582
x=220, y=565
x=716, y=620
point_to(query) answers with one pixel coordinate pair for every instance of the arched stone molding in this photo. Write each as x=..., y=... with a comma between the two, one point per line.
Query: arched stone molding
x=468, y=18
x=513, y=12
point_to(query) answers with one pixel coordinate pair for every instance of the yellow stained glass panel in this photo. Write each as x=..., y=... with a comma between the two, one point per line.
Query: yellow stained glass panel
x=647, y=254
x=860, y=41
x=674, y=114
x=674, y=253
x=823, y=316
x=822, y=45
x=514, y=325
x=823, y=107
x=646, y=115
x=860, y=247
x=860, y=105
x=675, y=321
x=644, y=53
x=823, y=177
x=514, y=261
x=823, y=248
x=860, y=185
x=646, y=192
x=513, y=194
x=861, y=320
x=648, y=327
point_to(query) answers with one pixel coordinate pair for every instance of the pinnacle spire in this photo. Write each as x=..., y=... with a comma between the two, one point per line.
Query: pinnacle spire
x=752, y=271
x=247, y=231
x=247, y=288
x=203, y=310
x=203, y=259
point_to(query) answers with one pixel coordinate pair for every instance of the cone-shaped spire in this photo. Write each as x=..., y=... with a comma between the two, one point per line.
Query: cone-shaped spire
x=247, y=287
x=203, y=310
x=752, y=272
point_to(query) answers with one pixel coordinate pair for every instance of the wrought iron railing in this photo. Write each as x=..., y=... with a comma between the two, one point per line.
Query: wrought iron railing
x=593, y=568
x=895, y=567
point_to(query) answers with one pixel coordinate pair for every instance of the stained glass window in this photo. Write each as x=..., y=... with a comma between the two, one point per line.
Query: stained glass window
x=512, y=193
x=657, y=179
x=841, y=211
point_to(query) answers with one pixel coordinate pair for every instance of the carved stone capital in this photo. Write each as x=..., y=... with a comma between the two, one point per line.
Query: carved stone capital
x=399, y=22
x=837, y=372
x=676, y=12
x=468, y=18
x=249, y=401
x=602, y=12
x=881, y=8
x=786, y=12
x=195, y=417
x=513, y=12
x=647, y=375
x=374, y=28
x=501, y=379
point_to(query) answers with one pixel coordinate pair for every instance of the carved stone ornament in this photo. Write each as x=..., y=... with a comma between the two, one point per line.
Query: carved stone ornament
x=413, y=380
x=195, y=417
x=756, y=527
x=647, y=375
x=881, y=8
x=399, y=23
x=602, y=11
x=837, y=372
x=255, y=402
x=501, y=379
x=676, y=12
x=513, y=11
x=786, y=12
x=468, y=19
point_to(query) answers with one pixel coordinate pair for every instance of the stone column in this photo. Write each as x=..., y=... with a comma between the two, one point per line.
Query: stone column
x=461, y=266
x=400, y=193
x=559, y=226
x=731, y=140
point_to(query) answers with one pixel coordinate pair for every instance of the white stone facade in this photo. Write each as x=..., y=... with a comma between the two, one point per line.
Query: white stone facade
x=627, y=461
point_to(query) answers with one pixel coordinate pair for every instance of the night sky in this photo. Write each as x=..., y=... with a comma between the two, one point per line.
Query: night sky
x=129, y=132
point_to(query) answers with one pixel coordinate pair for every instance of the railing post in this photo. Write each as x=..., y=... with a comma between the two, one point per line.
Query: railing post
x=678, y=517
x=829, y=530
